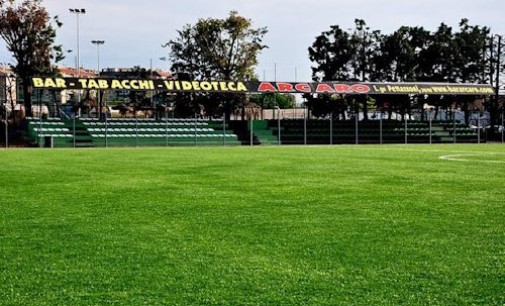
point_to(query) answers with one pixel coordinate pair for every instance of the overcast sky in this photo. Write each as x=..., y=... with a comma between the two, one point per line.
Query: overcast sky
x=134, y=30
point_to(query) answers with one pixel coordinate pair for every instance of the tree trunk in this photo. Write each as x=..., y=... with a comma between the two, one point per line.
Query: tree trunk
x=365, y=109
x=493, y=116
x=27, y=91
x=466, y=112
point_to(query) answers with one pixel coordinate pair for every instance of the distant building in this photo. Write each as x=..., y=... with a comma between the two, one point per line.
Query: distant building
x=8, y=92
x=134, y=72
x=71, y=72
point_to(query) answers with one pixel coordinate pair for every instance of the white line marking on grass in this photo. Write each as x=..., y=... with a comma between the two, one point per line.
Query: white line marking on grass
x=464, y=157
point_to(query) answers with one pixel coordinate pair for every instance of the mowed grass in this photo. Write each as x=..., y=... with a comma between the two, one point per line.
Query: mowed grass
x=358, y=225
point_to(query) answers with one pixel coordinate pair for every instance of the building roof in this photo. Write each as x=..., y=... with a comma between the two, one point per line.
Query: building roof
x=72, y=72
x=88, y=73
x=5, y=69
x=164, y=74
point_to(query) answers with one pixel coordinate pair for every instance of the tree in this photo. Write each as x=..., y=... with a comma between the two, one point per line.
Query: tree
x=332, y=53
x=455, y=57
x=273, y=100
x=222, y=49
x=401, y=52
x=470, y=42
x=339, y=55
x=30, y=37
x=410, y=54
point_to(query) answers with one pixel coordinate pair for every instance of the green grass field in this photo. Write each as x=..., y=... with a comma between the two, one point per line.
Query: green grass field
x=358, y=225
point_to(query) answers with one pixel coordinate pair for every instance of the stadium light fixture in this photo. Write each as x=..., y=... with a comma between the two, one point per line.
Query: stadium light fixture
x=98, y=43
x=77, y=12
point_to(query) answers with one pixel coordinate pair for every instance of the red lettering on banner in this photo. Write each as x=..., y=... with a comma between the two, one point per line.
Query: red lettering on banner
x=266, y=87
x=303, y=87
x=324, y=88
x=342, y=88
x=360, y=88
x=285, y=87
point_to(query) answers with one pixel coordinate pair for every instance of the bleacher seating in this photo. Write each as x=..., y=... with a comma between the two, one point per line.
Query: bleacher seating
x=91, y=132
x=48, y=132
x=393, y=131
x=128, y=132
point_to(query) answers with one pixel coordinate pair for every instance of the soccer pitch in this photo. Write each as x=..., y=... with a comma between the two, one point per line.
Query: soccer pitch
x=328, y=225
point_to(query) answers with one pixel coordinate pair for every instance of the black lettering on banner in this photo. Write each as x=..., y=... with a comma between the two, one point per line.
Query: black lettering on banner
x=262, y=87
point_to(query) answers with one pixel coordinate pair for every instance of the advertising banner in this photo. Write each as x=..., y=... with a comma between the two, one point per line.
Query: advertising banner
x=263, y=87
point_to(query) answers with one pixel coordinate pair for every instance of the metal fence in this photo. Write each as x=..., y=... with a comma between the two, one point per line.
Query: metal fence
x=59, y=126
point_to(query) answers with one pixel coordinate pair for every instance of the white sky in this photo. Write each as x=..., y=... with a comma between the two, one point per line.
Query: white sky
x=134, y=30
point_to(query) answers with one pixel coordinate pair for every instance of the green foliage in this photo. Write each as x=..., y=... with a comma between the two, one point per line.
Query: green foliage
x=223, y=49
x=273, y=100
x=341, y=225
x=219, y=49
x=323, y=105
x=29, y=35
x=410, y=54
x=332, y=52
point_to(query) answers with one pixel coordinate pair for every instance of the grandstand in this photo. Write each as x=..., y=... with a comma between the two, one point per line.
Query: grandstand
x=298, y=131
x=117, y=132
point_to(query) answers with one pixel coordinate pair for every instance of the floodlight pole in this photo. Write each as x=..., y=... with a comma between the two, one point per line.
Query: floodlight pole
x=99, y=99
x=77, y=12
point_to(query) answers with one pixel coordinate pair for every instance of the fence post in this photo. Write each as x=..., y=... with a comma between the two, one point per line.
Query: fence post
x=478, y=129
x=166, y=125
x=380, y=128
x=502, y=128
x=305, y=115
x=454, y=125
x=278, y=125
x=431, y=119
x=406, y=130
x=331, y=128
x=73, y=128
x=106, y=124
x=136, y=129
x=356, y=127
x=196, y=132
x=6, y=124
x=224, y=129
x=251, y=133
